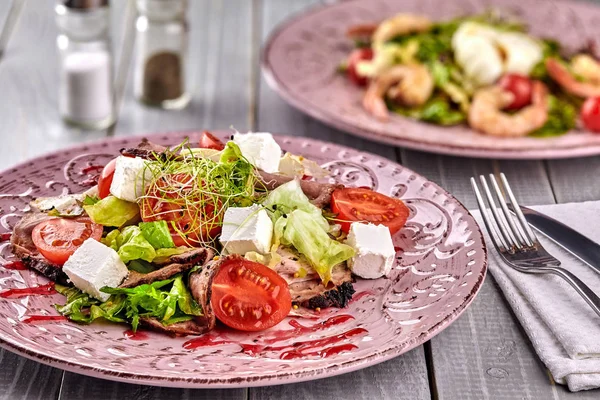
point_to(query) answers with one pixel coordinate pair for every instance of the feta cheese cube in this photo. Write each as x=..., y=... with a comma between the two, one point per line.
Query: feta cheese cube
x=374, y=250
x=260, y=149
x=93, y=266
x=130, y=178
x=246, y=229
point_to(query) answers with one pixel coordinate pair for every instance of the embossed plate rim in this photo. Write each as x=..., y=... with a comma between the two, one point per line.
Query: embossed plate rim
x=582, y=150
x=333, y=369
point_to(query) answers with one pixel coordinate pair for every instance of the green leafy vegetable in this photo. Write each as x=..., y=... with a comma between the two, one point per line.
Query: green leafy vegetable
x=289, y=197
x=437, y=110
x=169, y=301
x=307, y=236
x=90, y=200
x=157, y=234
x=112, y=211
x=141, y=266
x=130, y=244
x=562, y=116
x=231, y=153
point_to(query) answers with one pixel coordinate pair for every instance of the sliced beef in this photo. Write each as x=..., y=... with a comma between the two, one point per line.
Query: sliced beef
x=318, y=193
x=23, y=247
x=195, y=257
x=306, y=287
x=200, y=284
x=151, y=151
x=191, y=327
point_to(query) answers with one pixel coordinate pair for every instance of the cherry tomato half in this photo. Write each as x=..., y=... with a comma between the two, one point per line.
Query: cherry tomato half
x=590, y=114
x=249, y=296
x=209, y=141
x=191, y=217
x=58, y=238
x=106, y=178
x=357, y=55
x=520, y=86
x=365, y=205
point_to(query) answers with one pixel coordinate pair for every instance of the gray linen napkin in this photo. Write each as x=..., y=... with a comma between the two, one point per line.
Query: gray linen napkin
x=563, y=329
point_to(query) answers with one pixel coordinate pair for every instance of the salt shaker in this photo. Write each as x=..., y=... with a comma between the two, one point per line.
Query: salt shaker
x=161, y=53
x=86, y=86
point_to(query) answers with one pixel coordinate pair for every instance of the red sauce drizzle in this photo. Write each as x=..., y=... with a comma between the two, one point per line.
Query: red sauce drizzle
x=204, y=341
x=324, y=353
x=397, y=248
x=33, y=319
x=360, y=295
x=308, y=348
x=5, y=236
x=139, y=335
x=301, y=329
x=91, y=168
x=18, y=265
x=43, y=290
x=253, y=349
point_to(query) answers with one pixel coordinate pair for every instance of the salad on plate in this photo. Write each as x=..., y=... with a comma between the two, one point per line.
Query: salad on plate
x=483, y=70
x=175, y=238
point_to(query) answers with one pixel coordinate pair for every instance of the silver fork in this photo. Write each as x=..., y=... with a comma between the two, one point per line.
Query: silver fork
x=515, y=241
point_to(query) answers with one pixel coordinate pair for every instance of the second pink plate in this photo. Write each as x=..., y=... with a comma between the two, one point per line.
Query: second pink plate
x=301, y=57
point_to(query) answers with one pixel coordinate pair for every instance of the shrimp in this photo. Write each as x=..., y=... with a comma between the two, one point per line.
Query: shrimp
x=410, y=84
x=361, y=31
x=486, y=115
x=401, y=24
x=560, y=73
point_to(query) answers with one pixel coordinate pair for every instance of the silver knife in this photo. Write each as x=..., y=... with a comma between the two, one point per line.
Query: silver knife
x=568, y=238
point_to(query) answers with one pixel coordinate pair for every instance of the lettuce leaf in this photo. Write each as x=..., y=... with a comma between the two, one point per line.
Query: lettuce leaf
x=157, y=234
x=112, y=211
x=323, y=253
x=163, y=254
x=231, y=153
x=169, y=301
x=130, y=244
x=289, y=197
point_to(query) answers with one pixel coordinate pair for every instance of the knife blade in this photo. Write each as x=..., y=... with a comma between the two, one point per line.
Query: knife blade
x=566, y=237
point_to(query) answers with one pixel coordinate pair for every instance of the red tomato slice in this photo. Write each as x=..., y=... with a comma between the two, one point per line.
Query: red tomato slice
x=521, y=88
x=209, y=141
x=192, y=220
x=356, y=56
x=365, y=205
x=106, y=178
x=58, y=238
x=249, y=296
x=590, y=114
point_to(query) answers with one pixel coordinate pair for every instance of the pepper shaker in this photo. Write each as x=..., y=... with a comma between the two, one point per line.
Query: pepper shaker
x=86, y=85
x=161, y=53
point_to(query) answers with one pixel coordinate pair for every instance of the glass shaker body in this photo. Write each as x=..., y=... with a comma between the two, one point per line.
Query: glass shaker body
x=161, y=54
x=86, y=97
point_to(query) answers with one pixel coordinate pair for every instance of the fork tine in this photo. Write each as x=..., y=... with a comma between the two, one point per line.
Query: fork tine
x=517, y=209
x=523, y=239
x=496, y=237
x=506, y=232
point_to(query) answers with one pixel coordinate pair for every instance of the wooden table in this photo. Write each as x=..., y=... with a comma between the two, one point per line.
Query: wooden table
x=483, y=355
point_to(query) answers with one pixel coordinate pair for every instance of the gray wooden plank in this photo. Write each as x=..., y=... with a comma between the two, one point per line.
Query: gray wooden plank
x=24, y=379
x=9, y=14
x=573, y=179
x=78, y=387
x=404, y=377
x=29, y=78
x=220, y=75
x=30, y=126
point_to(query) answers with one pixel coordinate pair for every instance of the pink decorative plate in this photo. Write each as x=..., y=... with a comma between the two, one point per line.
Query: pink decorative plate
x=440, y=266
x=301, y=57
